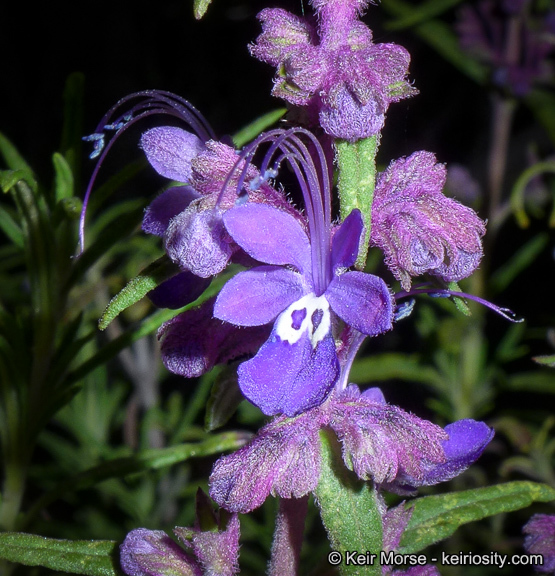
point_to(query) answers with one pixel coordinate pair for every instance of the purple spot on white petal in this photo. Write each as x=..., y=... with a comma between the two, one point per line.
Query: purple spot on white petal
x=297, y=317
x=316, y=319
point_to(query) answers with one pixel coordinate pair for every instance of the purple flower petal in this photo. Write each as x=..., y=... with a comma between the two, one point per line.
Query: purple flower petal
x=170, y=151
x=178, y=291
x=283, y=459
x=269, y=235
x=217, y=551
x=163, y=208
x=194, y=342
x=198, y=242
x=345, y=243
x=153, y=553
x=467, y=440
x=382, y=442
x=258, y=296
x=346, y=118
x=540, y=539
x=290, y=378
x=363, y=301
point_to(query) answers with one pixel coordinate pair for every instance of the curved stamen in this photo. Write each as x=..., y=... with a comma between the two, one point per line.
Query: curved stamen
x=443, y=293
x=312, y=173
x=151, y=102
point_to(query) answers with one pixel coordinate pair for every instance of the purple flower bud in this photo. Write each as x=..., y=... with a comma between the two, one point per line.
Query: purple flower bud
x=170, y=151
x=420, y=230
x=214, y=540
x=197, y=241
x=540, y=539
x=338, y=73
x=153, y=553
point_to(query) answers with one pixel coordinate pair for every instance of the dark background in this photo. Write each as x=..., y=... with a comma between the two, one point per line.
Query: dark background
x=123, y=47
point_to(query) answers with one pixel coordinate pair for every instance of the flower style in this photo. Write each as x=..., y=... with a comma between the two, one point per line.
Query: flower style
x=380, y=442
x=419, y=229
x=210, y=548
x=346, y=81
x=540, y=539
x=304, y=289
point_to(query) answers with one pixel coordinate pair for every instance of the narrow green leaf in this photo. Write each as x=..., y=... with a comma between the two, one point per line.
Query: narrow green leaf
x=391, y=366
x=252, y=130
x=138, y=288
x=419, y=14
x=541, y=381
x=225, y=397
x=154, y=459
x=548, y=361
x=12, y=157
x=519, y=261
x=148, y=326
x=542, y=105
x=9, y=178
x=200, y=7
x=519, y=188
x=11, y=228
x=440, y=36
x=90, y=558
x=435, y=518
x=349, y=509
x=63, y=177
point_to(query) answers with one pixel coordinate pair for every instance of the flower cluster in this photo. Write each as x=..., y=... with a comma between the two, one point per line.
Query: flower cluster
x=296, y=313
x=333, y=69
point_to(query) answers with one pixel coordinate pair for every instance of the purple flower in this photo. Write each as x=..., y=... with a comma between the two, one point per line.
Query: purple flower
x=335, y=70
x=380, y=442
x=540, y=539
x=513, y=43
x=189, y=218
x=304, y=289
x=153, y=553
x=419, y=229
x=212, y=547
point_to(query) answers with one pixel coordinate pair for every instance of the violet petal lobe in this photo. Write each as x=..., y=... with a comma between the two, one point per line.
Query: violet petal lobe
x=283, y=459
x=269, y=235
x=170, y=150
x=165, y=206
x=383, y=442
x=178, y=291
x=217, y=551
x=290, y=378
x=153, y=553
x=197, y=241
x=540, y=539
x=258, y=296
x=363, y=301
x=345, y=243
x=194, y=342
x=467, y=440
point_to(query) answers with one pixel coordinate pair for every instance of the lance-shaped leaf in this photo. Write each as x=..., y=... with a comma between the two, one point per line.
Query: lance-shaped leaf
x=435, y=518
x=90, y=558
x=138, y=288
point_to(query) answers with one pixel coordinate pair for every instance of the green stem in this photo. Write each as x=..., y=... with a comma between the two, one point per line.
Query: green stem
x=349, y=510
x=357, y=180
